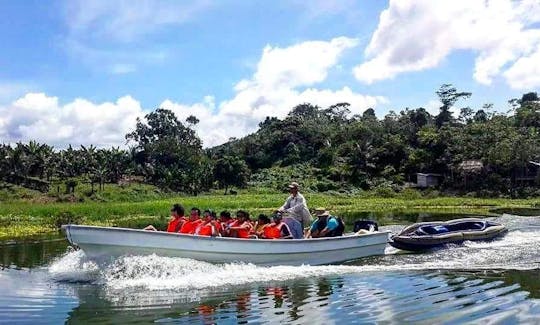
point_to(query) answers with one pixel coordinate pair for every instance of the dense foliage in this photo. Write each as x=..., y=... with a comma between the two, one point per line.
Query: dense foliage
x=366, y=152
x=325, y=148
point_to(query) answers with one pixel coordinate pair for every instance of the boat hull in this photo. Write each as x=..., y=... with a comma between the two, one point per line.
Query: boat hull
x=105, y=243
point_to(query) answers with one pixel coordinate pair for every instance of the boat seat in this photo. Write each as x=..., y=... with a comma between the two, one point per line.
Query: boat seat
x=433, y=230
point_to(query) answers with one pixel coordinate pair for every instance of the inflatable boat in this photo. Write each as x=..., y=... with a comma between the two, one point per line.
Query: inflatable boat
x=428, y=235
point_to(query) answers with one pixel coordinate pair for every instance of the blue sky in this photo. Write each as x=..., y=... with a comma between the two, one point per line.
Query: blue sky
x=80, y=72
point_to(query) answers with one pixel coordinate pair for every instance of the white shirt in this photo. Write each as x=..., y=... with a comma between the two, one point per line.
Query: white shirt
x=297, y=208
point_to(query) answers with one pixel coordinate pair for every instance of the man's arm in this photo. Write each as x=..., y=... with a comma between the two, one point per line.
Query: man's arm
x=331, y=225
x=299, y=204
x=286, y=205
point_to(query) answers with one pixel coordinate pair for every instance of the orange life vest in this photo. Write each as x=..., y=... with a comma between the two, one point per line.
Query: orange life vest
x=189, y=227
x=175, y=224
x=273, y=231
x=205, y=230
x=244, y=232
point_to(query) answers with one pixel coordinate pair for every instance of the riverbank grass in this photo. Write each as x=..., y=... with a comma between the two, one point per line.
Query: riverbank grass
x=19, y=218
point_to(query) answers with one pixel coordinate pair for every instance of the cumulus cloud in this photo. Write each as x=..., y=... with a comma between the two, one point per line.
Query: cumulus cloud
x=280, y=83
x=37, y=116
x=417, y=35
x=277, y=85
x=284, y=78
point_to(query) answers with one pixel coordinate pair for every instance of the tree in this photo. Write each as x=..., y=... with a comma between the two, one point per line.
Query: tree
x=448, y=95
x=192, y=120
x=528, y=112
x=231, y=171
x=169, y=152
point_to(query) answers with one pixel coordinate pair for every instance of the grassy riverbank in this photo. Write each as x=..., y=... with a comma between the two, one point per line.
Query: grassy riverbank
x=20, y=218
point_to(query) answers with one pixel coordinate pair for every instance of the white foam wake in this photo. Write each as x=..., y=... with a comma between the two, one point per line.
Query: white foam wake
x=158, y=273
x=73, y=266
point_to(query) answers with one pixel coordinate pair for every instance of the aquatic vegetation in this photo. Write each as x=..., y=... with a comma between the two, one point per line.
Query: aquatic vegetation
x=24, y=218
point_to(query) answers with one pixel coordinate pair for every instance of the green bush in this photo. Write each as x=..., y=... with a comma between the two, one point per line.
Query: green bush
x=410, y=194
x=384, y=191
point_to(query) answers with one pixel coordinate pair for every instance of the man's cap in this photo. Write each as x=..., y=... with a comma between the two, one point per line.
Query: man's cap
x=322, y=212
x=293, y=185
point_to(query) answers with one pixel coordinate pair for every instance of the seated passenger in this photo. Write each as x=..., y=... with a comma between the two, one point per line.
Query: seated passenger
x=242, y=226
x=297, y=232
x=277, y=229
x=176, y=221
x=225, y=220
x=262, y=222
x=325, y=225
x=209, y=225
x=190, y=225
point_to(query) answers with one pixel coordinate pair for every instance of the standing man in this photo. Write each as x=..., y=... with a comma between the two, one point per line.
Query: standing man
x=296, y=207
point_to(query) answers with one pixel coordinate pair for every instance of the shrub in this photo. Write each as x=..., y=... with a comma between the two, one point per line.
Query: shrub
x=410, y=194
x=384, y=191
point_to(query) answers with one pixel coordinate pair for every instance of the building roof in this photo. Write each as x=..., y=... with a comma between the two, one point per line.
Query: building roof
x=429, y=174
x=471, y=165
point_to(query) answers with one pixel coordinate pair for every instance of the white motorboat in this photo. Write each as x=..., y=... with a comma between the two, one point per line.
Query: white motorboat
x=104, y=243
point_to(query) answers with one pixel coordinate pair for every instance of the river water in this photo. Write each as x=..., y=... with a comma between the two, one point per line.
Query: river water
x=45, y=281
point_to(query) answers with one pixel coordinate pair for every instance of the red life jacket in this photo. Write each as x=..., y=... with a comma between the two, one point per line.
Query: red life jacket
x=244, y=232
x=189, y=227
x=175, y=224
x=273, y=231
x=205, y=230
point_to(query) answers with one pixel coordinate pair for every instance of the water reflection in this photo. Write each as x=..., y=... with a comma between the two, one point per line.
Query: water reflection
x=409, y=297
x=31, y=253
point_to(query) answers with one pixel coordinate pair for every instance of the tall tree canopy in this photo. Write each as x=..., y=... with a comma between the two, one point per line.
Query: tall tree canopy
x=170, y=153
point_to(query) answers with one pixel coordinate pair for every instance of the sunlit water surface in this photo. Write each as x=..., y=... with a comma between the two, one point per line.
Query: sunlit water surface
x=480, y=282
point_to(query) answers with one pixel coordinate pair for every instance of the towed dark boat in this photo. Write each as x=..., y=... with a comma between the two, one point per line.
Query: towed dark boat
x=427, y=235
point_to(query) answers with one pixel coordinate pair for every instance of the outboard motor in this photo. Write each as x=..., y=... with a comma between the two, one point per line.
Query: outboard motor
x=365, y=224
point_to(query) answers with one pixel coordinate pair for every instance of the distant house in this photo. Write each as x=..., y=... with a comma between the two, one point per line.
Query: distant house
x=471, y=166
x=424, y=180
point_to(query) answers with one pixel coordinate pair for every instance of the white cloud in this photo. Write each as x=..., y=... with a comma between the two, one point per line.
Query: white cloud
x=300, y=65
x=125, y=20
x=285, y=77
x=417, y=35
x=433, y=106
x=37, y=116
x=276, y=87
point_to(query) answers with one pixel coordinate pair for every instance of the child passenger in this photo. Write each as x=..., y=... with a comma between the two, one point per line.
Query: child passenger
x=191, y=225
x=277, y=229
x=209, y=226
x=242, y=226
x=176, y=221
x=262, y=222
x=225, y=221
